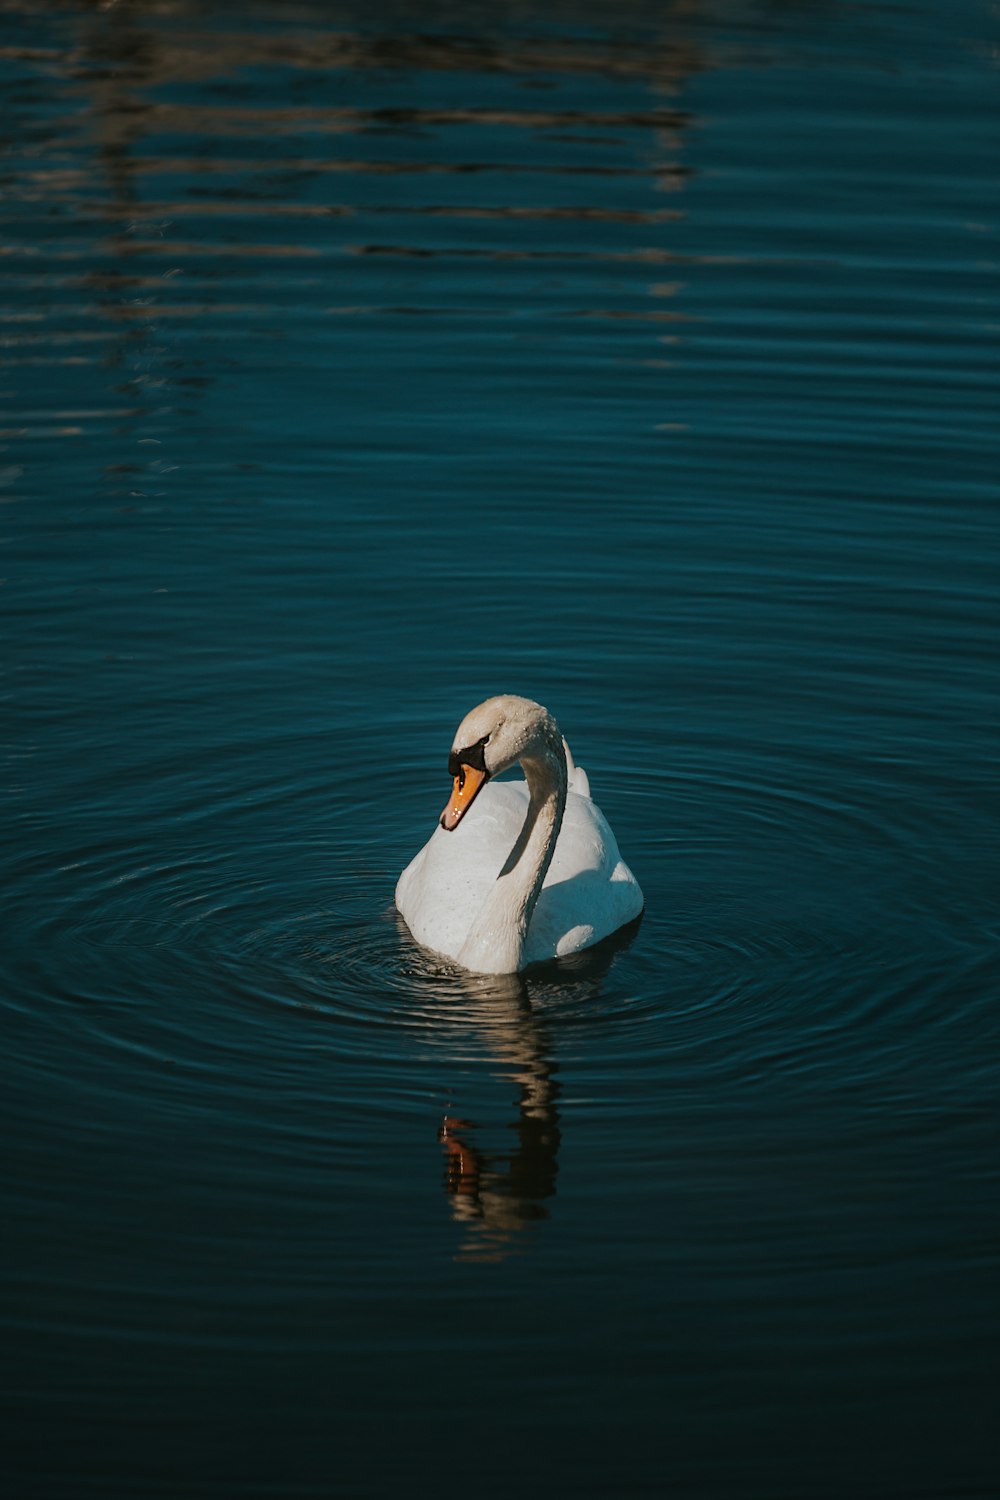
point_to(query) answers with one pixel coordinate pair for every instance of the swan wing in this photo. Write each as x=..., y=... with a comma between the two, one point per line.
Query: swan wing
x=589, y=890
x=577, y=779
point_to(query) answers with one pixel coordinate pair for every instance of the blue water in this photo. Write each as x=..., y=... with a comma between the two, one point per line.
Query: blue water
x=361, y=362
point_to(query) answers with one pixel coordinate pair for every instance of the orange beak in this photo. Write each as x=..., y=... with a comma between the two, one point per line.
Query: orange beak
x=467, y=783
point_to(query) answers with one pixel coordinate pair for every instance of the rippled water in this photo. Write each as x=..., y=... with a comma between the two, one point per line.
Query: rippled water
x=356, y=364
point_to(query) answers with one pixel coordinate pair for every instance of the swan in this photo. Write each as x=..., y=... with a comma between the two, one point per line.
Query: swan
x=517, y=871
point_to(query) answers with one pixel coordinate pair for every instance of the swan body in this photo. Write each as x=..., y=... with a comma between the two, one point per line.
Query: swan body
x=517, y=871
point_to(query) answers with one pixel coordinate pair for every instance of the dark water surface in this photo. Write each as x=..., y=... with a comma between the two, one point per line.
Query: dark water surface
x=359, y=362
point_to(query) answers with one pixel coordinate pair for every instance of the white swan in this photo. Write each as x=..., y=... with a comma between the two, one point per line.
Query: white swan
x=534, y=871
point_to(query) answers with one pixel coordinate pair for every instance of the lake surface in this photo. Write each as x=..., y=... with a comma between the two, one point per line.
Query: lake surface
x=360, y=362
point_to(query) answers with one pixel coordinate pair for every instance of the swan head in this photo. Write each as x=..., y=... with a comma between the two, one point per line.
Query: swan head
x=489, y=740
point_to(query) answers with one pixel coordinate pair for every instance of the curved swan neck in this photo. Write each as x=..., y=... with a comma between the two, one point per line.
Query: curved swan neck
x=496, y=942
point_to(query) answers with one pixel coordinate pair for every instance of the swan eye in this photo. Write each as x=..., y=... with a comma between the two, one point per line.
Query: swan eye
x=484, y=741
x=471, y=758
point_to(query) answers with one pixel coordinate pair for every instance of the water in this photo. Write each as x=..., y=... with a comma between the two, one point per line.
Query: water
x=358, y=365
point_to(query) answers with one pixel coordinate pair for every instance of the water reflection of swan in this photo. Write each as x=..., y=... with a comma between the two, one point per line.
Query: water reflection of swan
x=535, y=872
x=496, y=1195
